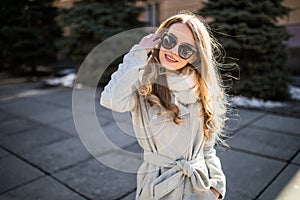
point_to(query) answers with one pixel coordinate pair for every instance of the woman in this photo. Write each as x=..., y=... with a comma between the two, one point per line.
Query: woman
x=170, y=84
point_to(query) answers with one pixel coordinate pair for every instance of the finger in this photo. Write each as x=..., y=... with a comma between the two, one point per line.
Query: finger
x=158, y=37
x=149, y=36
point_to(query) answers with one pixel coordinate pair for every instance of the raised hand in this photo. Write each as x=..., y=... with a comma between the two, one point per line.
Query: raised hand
x=149, y=41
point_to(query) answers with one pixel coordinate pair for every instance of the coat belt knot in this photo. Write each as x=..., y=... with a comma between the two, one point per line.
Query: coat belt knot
x=186, y=167
x=175, y=173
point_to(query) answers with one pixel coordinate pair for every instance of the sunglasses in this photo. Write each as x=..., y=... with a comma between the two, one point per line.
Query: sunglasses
x=185, y=50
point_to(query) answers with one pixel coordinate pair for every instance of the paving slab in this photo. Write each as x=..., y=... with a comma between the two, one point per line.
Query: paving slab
x=85, y=100
x=45, y=188
x=18, y=88
x=50, y=116
x=24, y=95
x=279, y=123
x=95, y=142
x=21, y=92
x=26, y=107
x=135, y=148
x=4, y=116
x=58, y=96
x=16, y=125
x=131, y=196
x=103, y=111
x=64, y=100
x=285, y=187
x=30, y=139
x=106, y=116
x=266, y=142
x=238, y=118
x=3, y=153
x=67, y=125
x=247, y=174
x=122, y=162
x=122, y=120
x=121, y=117
x=96, y=181
x=85, y=121
x=296, y=160
x=58, y=155
x=233, y=195
x=15, y=172
x=248, y=116
x=119, y=135
x=101, y=138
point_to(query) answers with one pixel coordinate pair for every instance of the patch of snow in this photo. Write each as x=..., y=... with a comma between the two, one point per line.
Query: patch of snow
x=259, y=103
x=66, y=81
x=255, y=103
x=78, y=86
x=294, y=92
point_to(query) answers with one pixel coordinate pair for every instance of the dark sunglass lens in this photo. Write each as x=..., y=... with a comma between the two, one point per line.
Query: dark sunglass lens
x=168, y=41
x=185, y=51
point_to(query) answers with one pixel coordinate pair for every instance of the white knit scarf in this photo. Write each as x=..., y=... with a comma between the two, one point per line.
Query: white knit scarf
x=183, y=87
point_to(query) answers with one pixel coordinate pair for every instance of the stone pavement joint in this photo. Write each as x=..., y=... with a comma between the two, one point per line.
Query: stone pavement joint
x=271, y=181
x=242, y=126
x=38, y=168
x=123, y=197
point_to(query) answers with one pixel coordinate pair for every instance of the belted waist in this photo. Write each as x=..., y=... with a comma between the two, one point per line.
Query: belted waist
x=176, y=172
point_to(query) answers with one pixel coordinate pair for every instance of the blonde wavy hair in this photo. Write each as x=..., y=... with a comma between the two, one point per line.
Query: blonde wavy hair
x=204, y=70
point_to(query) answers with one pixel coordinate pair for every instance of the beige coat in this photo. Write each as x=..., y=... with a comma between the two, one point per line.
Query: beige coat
x=177, y=163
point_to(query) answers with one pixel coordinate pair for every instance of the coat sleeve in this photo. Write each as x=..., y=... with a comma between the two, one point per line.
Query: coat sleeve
x=217, y=177
x=119, y=93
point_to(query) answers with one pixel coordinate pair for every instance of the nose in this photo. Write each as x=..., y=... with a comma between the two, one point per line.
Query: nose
x=174, y=50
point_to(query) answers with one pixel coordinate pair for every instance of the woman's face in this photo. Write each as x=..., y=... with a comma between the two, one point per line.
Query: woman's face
x=169, y=58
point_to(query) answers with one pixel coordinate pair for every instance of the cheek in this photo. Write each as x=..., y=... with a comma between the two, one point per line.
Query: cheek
x=181, y=64
x=160, y=55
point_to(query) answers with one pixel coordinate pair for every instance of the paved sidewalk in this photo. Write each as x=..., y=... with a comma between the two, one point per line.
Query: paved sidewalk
x=42, y=157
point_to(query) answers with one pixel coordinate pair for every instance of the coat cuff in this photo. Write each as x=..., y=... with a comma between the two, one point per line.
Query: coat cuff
x=219, y=187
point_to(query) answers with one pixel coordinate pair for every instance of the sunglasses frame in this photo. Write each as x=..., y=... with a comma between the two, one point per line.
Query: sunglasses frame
x=180, y=45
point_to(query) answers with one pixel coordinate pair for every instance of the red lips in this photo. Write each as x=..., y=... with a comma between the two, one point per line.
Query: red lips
x=170, y=59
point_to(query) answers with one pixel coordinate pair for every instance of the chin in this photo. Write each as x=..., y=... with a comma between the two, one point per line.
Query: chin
x=171, y=67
